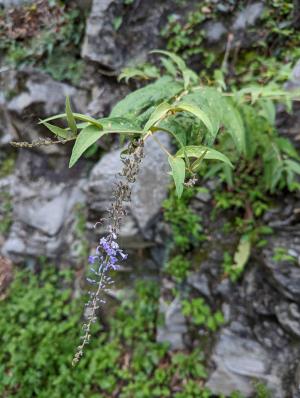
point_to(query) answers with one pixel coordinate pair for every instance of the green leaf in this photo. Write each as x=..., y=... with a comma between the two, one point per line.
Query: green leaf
x=147, y=72
x=169, y=66
x=228, y=175
x=175, y=58
x=287, y=147
x=140, y=100
x=79, y=116
x=159, y=112
x=87, y=137
x=174, y=128
x=242, y=254
x=178, y=173
x=267, y=110
x=120, y=125
x=187, y=74
x=234, y=125
x=57, y=130
x=129, y=73
x=196, y=111
x=254, y=91
x=70, y=116
x=276, y=176
x=292, y=165
x=211, y=102
x=197, y=163
x=194, y=151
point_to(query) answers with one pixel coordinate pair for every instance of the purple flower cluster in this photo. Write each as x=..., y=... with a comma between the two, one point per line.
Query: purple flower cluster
x=108, y=255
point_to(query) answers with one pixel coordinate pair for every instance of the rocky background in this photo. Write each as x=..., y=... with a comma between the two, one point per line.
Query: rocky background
x=48, y=211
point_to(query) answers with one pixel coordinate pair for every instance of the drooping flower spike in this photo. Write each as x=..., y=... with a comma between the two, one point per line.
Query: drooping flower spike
x=108, y=253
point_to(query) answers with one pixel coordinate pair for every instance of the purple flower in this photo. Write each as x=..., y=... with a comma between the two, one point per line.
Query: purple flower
x=123, y=255
x=108, y=255
x=113, y=259
x=92, y=259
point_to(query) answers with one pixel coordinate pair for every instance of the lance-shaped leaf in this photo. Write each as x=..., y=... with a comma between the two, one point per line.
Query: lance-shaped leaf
x=178, y=173
x=293, y=166
x=157, y=115
x=120, y=125
x=210, y=101
x=57, y=130
x=87, y=137
x=70, y=116
x=90, y=134
x=187, y=74
x=233, y=123
x=79, y=116
x=171, y=126
x=140, y=100
x=198, y=151
x=196, y=111
x=175, y=58
x=169, y=66
x=197, y=163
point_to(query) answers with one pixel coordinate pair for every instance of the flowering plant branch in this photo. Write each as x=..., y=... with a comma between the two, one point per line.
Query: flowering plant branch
x=194, y=115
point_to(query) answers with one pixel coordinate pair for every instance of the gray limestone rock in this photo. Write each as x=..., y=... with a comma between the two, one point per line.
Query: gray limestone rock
x=285, y=277
x=199, y=282
x=35, y=95
x=174, y=324
x=140, y=26
x=215, y=31
x=288, y=315
x=239, y=361
x=43, y=213
x=248, y=16
x=294, y=82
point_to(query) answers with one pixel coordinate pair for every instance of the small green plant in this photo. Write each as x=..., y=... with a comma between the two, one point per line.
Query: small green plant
x=185, y=39
x=234, y=267
x=259, y=61
x=201, y=314
x=178, y=267
x=38, y=326
x=281, y=254
x=185, y=224
x=262, y=390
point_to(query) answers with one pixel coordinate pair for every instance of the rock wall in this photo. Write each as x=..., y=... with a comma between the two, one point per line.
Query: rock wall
x=261, y=338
